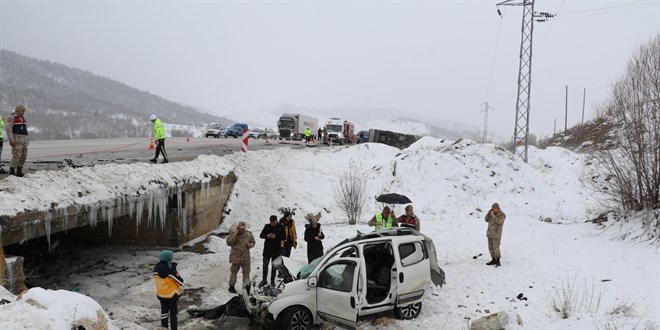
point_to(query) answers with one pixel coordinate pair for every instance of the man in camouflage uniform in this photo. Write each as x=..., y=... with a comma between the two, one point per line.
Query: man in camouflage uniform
x=495, y=218
x=241, y=241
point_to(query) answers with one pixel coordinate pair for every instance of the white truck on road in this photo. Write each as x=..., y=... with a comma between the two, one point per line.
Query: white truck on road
x=339, y=130
x=291, y=126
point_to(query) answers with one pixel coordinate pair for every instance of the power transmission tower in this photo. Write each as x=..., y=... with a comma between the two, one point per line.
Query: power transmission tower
x=485, y=111
x=521, y=128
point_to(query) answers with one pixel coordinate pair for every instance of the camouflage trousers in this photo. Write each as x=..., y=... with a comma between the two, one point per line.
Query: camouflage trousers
x=234, y=272
x=494, y=247
x=19, y=150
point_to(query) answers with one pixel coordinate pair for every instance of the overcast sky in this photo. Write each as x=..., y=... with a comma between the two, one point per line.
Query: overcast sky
x=428, y=59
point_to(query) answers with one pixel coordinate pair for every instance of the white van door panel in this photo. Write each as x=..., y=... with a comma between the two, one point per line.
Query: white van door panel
x=336, y=292
x=412, y=275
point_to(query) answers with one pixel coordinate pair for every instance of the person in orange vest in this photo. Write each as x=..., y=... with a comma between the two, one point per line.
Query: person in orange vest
x=385, y=219
x=17, y=134
x=409, y=219
x=168, y=288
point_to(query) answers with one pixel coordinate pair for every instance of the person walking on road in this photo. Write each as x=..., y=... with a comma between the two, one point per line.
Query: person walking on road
x=159, y=137
x=17, y=134
x=319, y=136
x=168, y=289
x=272, y=234
x=2, y=127
x=308, y=134
x=241, y=241
x=495, y=218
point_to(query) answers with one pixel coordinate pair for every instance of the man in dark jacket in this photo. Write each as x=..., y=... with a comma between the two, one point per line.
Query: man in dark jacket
x=168, y=288
x=273, y=234
x=495, y=218
x=313, y=237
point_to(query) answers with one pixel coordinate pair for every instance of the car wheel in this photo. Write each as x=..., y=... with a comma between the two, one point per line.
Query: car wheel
x=297, y=318
x=408, y=312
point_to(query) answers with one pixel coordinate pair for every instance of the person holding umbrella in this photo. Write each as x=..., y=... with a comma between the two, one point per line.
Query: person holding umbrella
x=384, y=219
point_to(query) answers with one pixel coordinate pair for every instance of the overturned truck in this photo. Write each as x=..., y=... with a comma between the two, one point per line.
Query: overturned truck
x=387, y=269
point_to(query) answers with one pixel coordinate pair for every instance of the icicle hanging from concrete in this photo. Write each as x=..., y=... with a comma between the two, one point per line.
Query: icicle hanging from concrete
x=139, y=209
x=92, y=215
x=64, y=218
x=180, y=210
x=48, y=217
x=205, y=186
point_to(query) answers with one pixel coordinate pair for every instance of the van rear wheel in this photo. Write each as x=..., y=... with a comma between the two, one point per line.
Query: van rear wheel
x=296, y=318
x=408, y=312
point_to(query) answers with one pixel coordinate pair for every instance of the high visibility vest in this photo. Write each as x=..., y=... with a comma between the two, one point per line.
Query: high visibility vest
x=381, y=223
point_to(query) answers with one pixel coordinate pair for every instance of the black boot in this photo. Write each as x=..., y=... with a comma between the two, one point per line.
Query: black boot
x=19, y=172
x=12, y=171
x=232, y=289
x=497, y=262
x=2, y=171
x=153, y=160
x=491, y=262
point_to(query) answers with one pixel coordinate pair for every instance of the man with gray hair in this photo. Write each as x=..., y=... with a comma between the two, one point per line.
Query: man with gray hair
x=241, y=241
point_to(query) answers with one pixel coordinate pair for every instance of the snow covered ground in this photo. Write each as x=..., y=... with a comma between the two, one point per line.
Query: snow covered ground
x=612, y=283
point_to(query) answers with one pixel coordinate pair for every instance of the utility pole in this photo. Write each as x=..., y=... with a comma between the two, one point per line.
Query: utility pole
x=566, y=110
x=584, y=94
x=485, y=111
x=521, y=128
x=554, y=130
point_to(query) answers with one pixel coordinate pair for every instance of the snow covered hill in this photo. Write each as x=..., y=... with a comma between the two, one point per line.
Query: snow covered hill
x=565, y=266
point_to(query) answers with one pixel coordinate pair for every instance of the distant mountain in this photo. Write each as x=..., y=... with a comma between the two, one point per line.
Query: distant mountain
x=69, y=103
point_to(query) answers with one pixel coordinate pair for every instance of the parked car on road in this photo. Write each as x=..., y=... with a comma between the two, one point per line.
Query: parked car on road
x=387, y=269
x=215, y=130
x=254, y=133
x=236, y=130
x=268, y=134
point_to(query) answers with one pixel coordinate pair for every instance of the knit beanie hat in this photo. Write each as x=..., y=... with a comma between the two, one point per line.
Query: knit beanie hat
x=495, y=206
x=166, y=255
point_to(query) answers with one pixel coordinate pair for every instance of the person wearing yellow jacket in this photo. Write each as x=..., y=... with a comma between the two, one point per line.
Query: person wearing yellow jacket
x=2, y=127
x=168, y=288
x=290, y=236
x=159, y=137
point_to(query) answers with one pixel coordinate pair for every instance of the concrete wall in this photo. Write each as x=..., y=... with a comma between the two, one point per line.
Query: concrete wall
x=168, y=217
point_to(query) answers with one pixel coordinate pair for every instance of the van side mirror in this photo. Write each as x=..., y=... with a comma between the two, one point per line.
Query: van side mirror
x=311, y=282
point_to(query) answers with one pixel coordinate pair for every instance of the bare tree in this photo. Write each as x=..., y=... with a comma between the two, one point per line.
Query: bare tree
x=350, y=194
x=631, y=169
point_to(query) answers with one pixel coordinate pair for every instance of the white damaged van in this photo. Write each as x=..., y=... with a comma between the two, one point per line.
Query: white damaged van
x=387, y=269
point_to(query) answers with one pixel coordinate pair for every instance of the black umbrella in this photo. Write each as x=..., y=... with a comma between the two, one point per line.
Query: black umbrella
x=393, y=198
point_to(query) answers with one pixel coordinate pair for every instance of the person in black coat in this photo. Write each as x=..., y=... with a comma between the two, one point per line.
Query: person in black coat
x=314, y=237
x=273, y=234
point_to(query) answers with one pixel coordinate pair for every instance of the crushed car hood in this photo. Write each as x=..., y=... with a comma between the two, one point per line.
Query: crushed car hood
x=288, y=267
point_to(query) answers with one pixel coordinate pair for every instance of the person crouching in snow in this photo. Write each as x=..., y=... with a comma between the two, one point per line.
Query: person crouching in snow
x=313, y=237
x=241, y=241
x=168, y=288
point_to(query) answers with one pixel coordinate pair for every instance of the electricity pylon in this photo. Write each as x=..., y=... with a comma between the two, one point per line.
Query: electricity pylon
x=485, y=111
x=521, y=128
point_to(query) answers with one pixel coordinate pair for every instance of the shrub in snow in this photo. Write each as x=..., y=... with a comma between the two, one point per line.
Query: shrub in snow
x=351, y=194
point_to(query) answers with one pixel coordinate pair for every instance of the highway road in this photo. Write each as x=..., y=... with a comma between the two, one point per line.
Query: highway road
x=53, y=154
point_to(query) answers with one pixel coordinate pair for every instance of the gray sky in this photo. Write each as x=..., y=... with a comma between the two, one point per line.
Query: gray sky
x=431, y=59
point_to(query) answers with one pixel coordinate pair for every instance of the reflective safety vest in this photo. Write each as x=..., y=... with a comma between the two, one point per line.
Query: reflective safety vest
x=2, y=127
x=380, y=223
x=20, y=125
x=167, y=287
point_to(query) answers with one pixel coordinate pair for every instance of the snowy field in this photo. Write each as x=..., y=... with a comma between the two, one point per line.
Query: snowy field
x=613, y=283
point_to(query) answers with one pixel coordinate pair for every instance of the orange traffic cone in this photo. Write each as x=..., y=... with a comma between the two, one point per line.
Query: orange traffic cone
x=151, y=145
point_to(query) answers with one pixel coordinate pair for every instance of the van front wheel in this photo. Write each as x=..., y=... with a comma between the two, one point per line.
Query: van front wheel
x=408, y=312
x=296, y=318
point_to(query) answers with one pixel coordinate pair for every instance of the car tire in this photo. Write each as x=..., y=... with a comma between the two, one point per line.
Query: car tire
x=408, y=312
x=296, y=318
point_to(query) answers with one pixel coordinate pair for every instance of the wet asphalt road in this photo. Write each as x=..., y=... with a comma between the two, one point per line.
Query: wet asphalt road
x=53, y=154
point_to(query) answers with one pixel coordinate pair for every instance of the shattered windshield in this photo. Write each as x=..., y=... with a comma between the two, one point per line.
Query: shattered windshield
x=307, y=269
